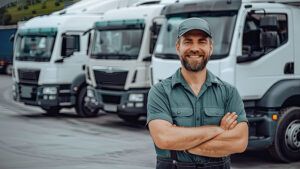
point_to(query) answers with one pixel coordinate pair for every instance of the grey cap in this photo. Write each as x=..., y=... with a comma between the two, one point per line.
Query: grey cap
x=193, y=24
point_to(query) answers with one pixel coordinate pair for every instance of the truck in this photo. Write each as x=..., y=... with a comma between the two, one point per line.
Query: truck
x=6, y=48
x=119, y=60
x=256, y=49
x=50, y=56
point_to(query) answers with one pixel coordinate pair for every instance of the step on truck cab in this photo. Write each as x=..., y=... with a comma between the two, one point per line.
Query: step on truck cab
x=256, y=49
x=120, y=55
x=50, y=56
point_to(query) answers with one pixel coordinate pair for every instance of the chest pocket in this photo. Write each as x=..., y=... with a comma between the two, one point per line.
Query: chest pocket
x=213, y=116
x=183, y=116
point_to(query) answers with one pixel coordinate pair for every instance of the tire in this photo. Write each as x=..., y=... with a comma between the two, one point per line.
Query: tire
x=129, y=119
x=286, y=146
x=8, y=69
x=80, y=107
x=51, y=110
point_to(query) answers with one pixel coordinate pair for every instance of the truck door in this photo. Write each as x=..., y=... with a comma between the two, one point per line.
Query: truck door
x=267, y=51
x=73, y=50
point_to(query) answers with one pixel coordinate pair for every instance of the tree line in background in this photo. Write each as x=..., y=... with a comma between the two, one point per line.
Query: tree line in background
x=22, y=10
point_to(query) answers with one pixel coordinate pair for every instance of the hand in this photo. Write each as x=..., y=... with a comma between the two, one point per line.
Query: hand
x=229, y=121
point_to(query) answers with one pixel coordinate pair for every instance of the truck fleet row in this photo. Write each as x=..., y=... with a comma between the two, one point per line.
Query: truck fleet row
x=108, y=61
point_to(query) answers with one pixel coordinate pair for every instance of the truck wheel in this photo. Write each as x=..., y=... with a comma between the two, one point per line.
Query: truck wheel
x=51, y=110
x=8, y=69
x=81, y=109
x=286, y=147
x=129, y=119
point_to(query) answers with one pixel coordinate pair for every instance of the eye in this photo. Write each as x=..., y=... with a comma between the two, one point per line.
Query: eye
x=202, y=42
x=187, y=42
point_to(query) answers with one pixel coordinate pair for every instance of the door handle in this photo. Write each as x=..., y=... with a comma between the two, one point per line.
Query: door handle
x=289, y=68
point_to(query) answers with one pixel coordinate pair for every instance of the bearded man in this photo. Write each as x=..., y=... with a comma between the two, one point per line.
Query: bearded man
x=195, y=119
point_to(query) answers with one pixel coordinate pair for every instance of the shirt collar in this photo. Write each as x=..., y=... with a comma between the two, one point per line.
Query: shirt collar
x=177, y=78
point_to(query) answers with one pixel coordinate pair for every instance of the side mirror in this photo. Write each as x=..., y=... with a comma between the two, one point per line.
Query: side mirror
x=89, y=44
x=147, y=58
x=155, y=29
x=68, y=46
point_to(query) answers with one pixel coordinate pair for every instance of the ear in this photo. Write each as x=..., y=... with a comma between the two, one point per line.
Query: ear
x=177, y=45
x=211, y=49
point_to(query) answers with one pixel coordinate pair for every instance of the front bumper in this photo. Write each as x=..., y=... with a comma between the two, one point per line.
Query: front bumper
x=32, y=94
x=261, y=129
x=118, y=101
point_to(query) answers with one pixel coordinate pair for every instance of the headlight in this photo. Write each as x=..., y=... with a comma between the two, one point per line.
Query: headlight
x=50, y=90
x=136, y=97
x=90, y=93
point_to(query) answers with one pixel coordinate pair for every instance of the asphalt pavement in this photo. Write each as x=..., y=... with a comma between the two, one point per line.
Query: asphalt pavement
x=30, y=139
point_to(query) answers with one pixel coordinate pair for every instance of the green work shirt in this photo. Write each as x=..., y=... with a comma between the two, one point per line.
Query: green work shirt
x=174, y=101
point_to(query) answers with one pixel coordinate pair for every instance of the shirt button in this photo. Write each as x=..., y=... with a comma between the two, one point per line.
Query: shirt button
x=178, y=112
x=198, y=118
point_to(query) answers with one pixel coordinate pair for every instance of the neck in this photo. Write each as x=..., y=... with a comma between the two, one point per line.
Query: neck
x=194, y=78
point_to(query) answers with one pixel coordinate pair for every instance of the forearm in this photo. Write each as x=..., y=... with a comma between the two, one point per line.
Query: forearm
x=182, y=138
x=229, y=142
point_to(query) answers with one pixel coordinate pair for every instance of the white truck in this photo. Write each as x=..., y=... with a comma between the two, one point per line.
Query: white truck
x=120, y=56
x=50, y=55
x=256, y=49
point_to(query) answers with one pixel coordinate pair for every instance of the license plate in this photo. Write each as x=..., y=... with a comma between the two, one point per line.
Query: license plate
x=26, y=91
x=110, y=107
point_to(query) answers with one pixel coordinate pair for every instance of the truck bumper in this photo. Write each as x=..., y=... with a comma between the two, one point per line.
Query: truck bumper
x=261, y=129
x=130, y=102
x=44, y=95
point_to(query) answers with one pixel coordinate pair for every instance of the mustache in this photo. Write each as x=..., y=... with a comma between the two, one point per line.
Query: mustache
x=197, y=53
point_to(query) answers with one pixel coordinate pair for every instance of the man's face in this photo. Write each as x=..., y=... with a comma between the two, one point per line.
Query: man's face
x=194, y=49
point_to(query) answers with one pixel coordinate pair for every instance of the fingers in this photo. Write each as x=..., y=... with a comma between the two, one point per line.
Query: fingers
x=229, y=121
x=233, y=125
x=226, y=116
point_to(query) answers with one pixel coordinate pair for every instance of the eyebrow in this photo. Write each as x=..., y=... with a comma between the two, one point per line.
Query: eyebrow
x=190, y=39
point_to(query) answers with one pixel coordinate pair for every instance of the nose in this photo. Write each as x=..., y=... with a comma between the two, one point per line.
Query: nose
x=194, y=48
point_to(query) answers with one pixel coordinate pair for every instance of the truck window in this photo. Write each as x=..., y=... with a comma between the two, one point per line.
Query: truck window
x=117, y=44
x=264, y=33
x=70, y=44
x=34, y=47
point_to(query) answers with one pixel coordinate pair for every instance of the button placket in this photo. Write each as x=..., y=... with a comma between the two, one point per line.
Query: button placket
x=197, y=112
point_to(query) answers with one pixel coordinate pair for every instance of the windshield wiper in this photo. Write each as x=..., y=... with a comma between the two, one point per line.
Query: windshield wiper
x=121, y=56
x=166, y=56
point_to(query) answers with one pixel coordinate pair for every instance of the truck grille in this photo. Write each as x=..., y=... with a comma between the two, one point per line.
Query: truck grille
x=28, y=76
x=110, y=80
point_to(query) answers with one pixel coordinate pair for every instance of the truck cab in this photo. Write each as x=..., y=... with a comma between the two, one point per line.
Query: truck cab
x=255, y=49
x=119, y=60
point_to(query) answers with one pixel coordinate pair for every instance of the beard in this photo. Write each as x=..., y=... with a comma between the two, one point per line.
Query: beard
x=194, y=65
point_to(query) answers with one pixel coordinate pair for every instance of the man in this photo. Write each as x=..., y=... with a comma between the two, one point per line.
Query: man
x=195, y=119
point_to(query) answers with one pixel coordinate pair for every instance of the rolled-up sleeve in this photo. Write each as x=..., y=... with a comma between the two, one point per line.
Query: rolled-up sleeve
x=158, y=104
x=235, y=104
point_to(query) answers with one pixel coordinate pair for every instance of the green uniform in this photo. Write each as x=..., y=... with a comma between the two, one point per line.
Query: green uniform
x=174, y=101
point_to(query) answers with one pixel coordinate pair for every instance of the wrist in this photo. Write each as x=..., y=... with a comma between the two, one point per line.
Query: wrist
x=219, y=129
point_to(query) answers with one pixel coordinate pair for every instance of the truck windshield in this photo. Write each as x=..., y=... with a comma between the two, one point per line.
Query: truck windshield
x=34, y=48
x=221, y=24
x=117, y=44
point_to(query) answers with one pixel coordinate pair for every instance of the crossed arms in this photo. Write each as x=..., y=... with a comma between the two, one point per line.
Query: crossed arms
x=211, y=141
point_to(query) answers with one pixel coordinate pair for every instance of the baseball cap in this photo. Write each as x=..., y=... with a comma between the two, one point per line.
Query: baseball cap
x=192, y=24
